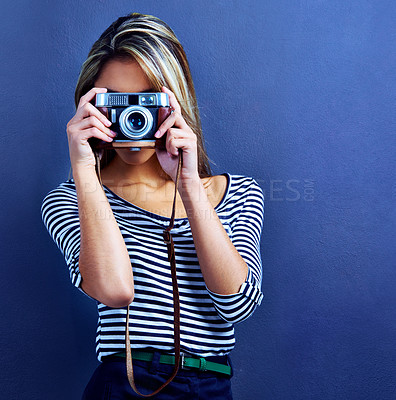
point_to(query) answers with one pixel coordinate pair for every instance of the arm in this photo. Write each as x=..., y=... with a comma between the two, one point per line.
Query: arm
x=222, y=267
x=231, y=268
x=104, y=261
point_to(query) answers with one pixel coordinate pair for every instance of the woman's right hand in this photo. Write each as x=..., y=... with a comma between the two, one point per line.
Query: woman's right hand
x=88, y=122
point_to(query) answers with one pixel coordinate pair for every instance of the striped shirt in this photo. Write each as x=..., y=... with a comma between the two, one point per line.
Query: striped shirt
x=206, y=319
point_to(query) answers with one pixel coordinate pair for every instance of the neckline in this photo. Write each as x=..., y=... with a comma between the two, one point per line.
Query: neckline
x=163, y=217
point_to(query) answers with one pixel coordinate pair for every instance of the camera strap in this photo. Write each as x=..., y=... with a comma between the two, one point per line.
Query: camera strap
x=176, y=301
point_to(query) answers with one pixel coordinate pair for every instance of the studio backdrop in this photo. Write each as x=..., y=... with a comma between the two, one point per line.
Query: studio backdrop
x=299, y=95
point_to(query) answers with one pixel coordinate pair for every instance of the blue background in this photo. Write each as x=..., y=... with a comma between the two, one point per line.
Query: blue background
x=298, y=94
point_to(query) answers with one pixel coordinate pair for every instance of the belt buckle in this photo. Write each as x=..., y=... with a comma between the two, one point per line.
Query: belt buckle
x=182, y=361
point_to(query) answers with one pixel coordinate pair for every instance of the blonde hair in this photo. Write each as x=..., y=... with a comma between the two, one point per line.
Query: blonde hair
x=155, y=47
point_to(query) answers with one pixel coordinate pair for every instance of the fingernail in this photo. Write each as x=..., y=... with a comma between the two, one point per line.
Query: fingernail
x=113, y=133
x=157, y=134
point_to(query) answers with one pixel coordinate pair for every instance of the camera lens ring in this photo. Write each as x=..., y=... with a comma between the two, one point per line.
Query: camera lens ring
x=125, y=125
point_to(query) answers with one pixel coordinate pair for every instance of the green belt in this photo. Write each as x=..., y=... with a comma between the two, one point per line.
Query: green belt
x=186, y=362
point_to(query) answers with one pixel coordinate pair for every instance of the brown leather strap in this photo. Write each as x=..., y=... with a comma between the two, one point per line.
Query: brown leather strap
x=176, y=303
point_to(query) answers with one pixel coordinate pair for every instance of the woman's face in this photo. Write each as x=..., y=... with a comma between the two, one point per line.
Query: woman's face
x=126, y=75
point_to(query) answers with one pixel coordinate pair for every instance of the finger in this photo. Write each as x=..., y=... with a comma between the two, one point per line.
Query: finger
x=177, y=133
x=172, y=99
x=88, y=110
x=96, y=133
x=168, y=123
x=174, y=143
x=174, y=120
x=90, y=95
x=92, y=121
x=174, y=146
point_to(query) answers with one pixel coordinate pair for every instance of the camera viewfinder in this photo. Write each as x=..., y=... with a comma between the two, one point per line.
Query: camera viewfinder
x=147, y=100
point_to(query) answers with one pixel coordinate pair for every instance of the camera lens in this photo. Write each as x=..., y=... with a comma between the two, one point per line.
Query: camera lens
x=136, y=121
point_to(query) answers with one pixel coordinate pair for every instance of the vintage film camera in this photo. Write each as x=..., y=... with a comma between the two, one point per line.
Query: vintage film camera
x=135, y=117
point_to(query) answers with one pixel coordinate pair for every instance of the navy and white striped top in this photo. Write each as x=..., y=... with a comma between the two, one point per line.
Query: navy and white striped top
x=206, y=318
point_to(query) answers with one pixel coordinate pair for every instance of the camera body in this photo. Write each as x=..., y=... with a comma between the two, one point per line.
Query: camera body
x=135, y=117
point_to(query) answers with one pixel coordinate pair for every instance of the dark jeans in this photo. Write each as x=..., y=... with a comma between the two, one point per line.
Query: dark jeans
x=109, y=381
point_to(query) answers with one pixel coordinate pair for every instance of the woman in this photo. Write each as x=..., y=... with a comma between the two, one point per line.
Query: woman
x=112, y=234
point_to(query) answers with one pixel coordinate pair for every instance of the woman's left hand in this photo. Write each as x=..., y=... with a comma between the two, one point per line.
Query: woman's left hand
x=178, y=136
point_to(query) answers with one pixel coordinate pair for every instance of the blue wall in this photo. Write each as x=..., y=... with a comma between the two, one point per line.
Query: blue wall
x=298, y=94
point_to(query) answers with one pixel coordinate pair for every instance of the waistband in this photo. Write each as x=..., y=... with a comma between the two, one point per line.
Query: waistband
x=217, y=364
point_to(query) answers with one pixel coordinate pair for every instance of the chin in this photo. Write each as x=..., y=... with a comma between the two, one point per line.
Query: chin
x=135, y=157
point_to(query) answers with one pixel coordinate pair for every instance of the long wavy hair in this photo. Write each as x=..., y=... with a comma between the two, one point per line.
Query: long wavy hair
x=155, y=47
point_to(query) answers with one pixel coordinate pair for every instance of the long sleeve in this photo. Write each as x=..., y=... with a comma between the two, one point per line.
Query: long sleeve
x=245, y=235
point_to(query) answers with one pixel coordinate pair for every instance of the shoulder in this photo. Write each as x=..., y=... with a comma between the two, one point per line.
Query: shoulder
x=216, y=183
x=67, y=189
x=240, y=186
x=59, y=209
x=64, y=194
x=231, y=188
x=216, y=188
x=246, y=200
